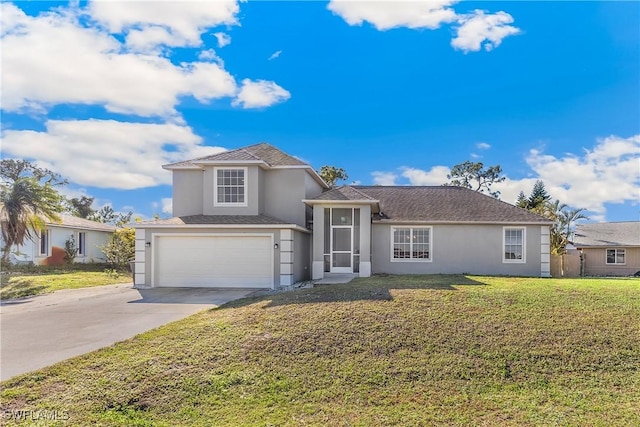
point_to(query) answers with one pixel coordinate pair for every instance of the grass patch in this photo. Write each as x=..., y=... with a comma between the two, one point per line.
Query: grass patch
x=34, y=280
x=396, y=350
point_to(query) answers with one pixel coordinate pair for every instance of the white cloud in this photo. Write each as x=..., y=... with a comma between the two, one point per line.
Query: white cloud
x=260, y=93
x=607, y=173
x=478, y=30
x=223, y=39
x=437, y=175
x=274, y=55
x=473, y=31
x=70, y=63
x=483, y=146
x=181, y=23
x=384, y=178
x=133, y=159
x=167, y=205
x=385, y=15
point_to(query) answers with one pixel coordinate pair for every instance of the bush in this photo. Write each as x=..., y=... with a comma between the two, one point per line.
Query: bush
x=121, y=248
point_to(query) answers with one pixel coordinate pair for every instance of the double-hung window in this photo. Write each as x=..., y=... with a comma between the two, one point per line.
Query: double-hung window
x=514, y=244
x=411, y=244
x=616, y=256
x=230, y=187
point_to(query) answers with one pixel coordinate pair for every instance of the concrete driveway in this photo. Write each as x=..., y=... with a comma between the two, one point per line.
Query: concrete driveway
x=42, y=330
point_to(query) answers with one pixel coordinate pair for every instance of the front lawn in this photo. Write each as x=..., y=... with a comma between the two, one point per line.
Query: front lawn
x=35, y=280
x=396, y=350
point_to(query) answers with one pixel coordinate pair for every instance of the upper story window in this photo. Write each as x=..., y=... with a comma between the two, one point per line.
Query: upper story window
x=616, y=256
x=514, y=244
x=411, y=243
x=230, y=187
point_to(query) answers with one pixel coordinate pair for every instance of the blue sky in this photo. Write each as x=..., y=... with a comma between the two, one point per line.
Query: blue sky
x=395, y=93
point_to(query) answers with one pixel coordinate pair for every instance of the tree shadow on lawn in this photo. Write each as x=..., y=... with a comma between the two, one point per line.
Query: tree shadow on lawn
x=375, y=288
x=18, y=288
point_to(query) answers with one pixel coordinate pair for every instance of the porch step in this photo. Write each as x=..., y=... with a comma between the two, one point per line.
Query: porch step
x=335, y=278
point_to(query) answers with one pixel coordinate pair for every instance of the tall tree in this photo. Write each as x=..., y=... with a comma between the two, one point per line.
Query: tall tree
x=331, y=175
x=476, y=177
x=108, y=216
x=28, y=199
x=80, y=206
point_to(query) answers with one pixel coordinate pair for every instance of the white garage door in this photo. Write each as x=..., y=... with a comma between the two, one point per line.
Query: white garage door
x=214, y=261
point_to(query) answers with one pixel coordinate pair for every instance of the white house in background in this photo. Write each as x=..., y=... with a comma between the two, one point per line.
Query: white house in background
x=48, y=247
x=257, y=217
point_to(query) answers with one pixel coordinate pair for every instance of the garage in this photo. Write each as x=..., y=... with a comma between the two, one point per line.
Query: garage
x=205, y=260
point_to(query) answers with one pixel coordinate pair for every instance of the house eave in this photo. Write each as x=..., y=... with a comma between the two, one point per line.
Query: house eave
x=226, y=226
x=408, y=222
x=312, y=202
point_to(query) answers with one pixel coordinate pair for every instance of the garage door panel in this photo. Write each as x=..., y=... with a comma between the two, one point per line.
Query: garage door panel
x=210, y=261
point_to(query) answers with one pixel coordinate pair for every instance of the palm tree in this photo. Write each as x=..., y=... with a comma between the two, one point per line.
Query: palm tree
x=568, y=217
x=26, y=205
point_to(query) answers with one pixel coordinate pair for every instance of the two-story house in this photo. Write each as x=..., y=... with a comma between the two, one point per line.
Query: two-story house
x=257, y=217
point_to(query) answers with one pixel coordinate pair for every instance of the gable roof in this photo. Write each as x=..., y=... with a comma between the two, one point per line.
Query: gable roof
x=444, y=204
x=69, y=221
x=260, y=153
x=607, y=234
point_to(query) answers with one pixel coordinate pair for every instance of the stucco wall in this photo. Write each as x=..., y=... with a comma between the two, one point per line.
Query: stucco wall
x=187, y=192
x=472, y=249
x=301, y=257
x=252, y=183
x=284, y=190
x=595, y=262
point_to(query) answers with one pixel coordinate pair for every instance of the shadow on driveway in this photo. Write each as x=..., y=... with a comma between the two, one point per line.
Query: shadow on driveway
x=216, y=296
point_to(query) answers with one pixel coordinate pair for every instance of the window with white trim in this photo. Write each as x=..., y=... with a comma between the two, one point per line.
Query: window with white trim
x=616, y=256
x=514, y=243
x=411, y=244
x=43, y=243
x=82, y=243
x=230, y=187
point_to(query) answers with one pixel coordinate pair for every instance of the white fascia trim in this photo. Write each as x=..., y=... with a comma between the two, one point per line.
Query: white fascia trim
x=228, y=226
x=226, y=163
x=506, y=224
x=73, y=227
x=182, y=167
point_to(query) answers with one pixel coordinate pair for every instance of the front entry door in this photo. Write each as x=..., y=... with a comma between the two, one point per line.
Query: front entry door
x=342, y=240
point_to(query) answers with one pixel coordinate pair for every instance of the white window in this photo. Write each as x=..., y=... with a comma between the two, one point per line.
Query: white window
x=82, y=243
x=514, y=244
x=44, y=243
x=411, y=244
x=616, y=256
x=230, y=187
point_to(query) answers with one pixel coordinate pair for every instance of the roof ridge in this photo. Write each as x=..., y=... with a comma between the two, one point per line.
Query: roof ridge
x=368, y=197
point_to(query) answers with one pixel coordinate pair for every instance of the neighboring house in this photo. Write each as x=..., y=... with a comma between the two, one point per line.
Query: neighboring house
x=257, y=217
x=48, y=248
x=609, y=248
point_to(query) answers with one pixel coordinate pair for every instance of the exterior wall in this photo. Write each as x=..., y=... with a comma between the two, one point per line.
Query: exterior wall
x=301, y=257
x=284, y=190
x=252, y=187
x=470, y=249
x=283, y=255
x=187, y=192
x=57, y=238
x=595, y=262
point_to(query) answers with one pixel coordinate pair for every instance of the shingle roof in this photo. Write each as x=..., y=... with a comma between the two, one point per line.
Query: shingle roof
x=75, y=222
x=344, y=193
x=608, y=234
x=259, y=152
x=217, y=220
x=442, y=204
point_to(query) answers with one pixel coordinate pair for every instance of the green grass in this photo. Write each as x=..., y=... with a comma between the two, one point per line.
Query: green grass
x=35, y=280
x=396, y=350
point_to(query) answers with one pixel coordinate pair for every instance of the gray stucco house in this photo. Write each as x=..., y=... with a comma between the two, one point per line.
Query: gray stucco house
x=609, y=248
x=257, y=217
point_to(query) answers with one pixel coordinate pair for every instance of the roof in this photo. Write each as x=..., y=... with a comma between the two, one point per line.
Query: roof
x=215, y=220
x=75, y=222
x=344, y=193
x=436, y=204
x=607, y=234
x=262, y=152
